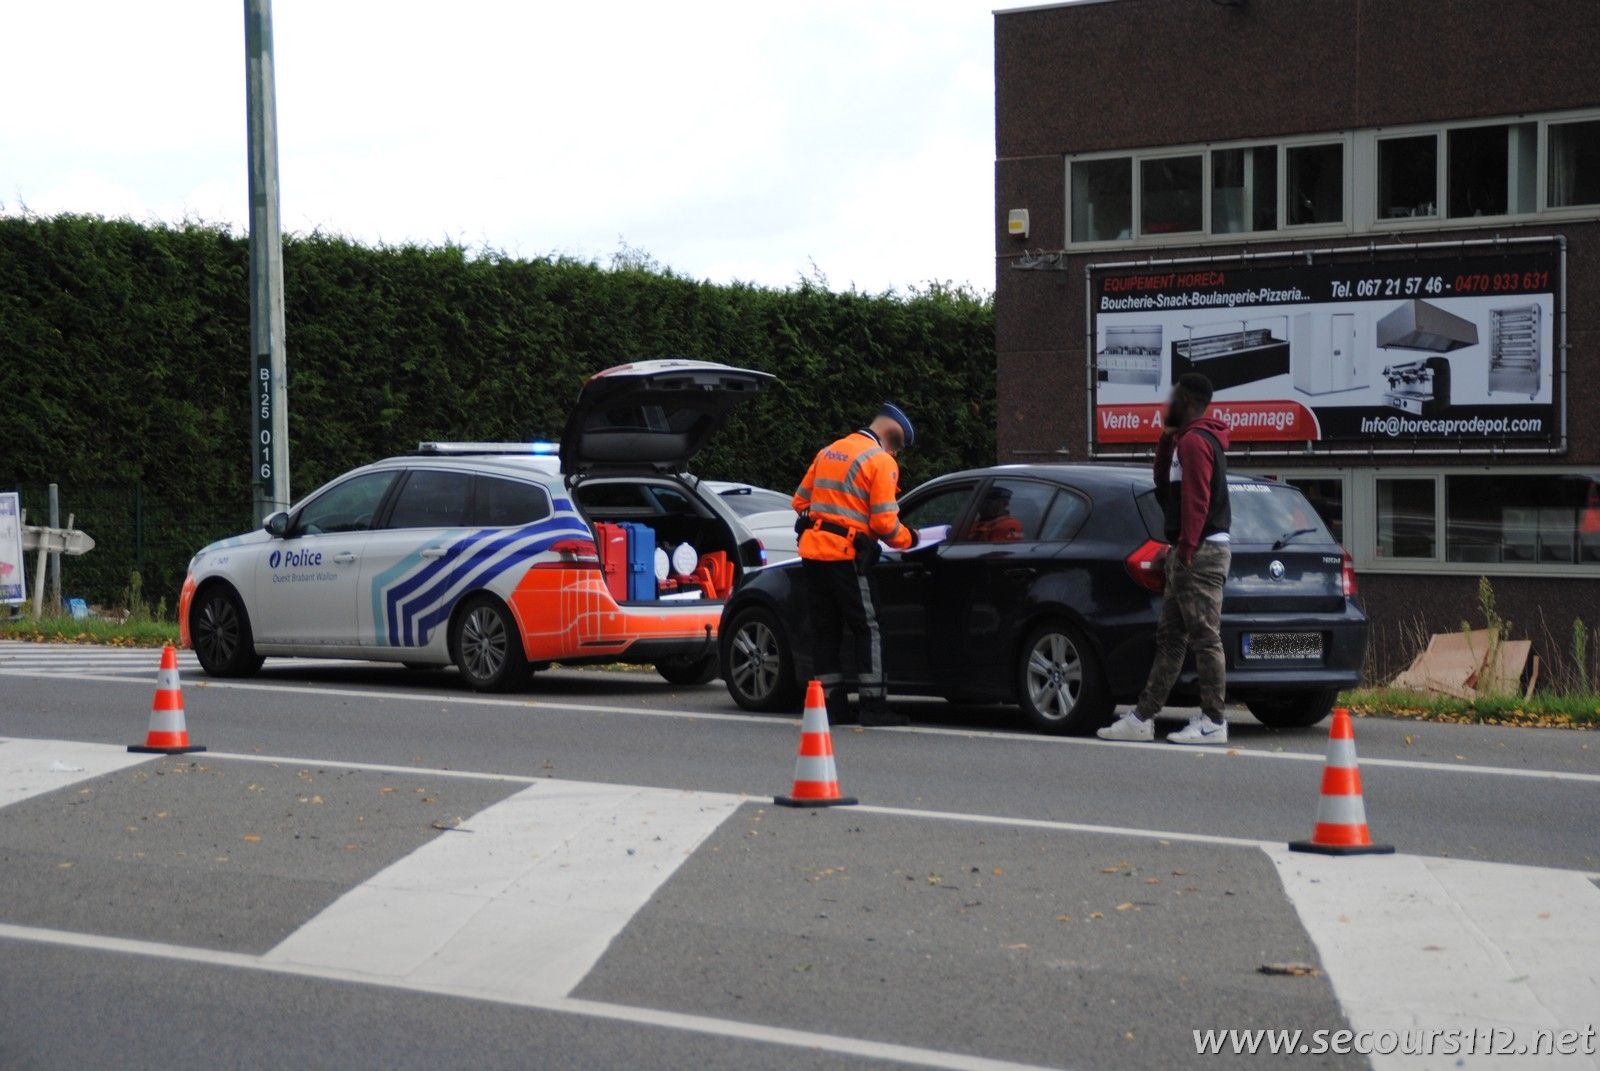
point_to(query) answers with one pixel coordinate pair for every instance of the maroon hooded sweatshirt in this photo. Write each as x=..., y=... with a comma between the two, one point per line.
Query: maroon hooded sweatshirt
x=1192, y=484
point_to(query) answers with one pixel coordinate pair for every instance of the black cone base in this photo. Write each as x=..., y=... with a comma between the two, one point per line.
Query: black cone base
x=1341, y=849
x=790, y=801
x=146, y=749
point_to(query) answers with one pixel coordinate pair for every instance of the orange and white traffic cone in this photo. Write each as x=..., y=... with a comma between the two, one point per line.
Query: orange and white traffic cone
x=816, y=778
x=1341, y=815
x=168, y=734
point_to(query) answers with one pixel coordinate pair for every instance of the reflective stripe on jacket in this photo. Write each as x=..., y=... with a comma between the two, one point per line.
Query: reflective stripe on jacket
x=853, y=483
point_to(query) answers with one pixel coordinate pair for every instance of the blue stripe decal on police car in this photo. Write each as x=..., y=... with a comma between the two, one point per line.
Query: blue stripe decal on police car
x=380, y=623
x=471, y=561
x=473, y=572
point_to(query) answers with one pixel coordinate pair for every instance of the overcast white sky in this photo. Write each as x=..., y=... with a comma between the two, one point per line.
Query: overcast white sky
x=728, y=140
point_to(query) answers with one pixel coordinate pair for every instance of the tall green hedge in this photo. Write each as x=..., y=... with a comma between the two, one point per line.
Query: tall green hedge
x=124, y=365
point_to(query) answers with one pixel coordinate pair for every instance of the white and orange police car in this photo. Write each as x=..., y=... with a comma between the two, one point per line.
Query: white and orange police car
x=501, y=558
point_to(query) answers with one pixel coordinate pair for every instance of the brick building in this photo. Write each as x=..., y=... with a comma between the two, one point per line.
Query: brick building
x=1375, y=224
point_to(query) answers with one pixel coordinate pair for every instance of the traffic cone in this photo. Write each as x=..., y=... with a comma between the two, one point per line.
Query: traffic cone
x=168, y=734
x=816, y=778
x=1341, y=815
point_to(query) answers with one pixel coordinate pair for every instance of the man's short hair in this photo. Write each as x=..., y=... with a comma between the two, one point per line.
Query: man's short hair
x=1196, y=387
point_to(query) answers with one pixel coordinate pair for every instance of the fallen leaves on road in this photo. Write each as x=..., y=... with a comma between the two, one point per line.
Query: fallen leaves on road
x=1290, y=970
x=454, y=823
x=1097, y=914
x=1063, y=918
x=1015, y=948
x=251, y=838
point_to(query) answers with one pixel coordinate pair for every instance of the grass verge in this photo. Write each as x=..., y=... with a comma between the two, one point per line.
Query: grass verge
x=1541, y=711
x=89, y=630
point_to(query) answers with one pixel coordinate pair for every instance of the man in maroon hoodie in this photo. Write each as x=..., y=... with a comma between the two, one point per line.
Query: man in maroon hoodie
x=1192, y=487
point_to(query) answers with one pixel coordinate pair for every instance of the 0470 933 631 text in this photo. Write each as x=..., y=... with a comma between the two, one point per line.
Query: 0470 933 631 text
x=1456, y=1041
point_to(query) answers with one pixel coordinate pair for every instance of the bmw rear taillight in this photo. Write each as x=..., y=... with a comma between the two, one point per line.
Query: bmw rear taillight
x=1347, y=574
x=573, y=554
x=1148, y=566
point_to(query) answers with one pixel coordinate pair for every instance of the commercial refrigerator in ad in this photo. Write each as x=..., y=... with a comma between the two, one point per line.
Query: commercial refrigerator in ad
x=1514, y=347
x=1327, y=353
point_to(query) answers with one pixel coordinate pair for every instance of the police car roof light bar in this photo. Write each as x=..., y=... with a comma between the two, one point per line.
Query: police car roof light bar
x=542, y=449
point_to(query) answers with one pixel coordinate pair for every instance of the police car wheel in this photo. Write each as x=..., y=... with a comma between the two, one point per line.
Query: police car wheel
x=757, y=663
x=1059, y=684
x=690, y=670
x=487, y=647
x=220, y=631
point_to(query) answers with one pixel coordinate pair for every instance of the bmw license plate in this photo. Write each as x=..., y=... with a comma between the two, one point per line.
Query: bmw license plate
x=1295, y=646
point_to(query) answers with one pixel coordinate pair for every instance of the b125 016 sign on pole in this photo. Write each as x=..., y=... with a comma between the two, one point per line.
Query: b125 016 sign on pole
x=1454, y=352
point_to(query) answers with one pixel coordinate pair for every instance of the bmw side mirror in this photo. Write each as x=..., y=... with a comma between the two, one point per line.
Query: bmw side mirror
x=277, y=525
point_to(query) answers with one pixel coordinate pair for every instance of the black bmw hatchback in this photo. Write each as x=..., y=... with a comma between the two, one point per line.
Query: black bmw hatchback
x=1045, y=592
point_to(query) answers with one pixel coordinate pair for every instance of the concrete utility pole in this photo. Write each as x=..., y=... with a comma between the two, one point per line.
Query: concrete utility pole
x=269, y=377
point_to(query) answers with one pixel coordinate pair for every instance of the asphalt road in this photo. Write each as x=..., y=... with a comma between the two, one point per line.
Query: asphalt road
x=998, y=896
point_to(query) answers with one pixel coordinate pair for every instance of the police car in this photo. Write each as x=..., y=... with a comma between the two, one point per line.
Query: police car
x=501, y=558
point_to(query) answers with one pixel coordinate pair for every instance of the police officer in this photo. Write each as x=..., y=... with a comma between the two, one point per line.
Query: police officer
x=847, y=503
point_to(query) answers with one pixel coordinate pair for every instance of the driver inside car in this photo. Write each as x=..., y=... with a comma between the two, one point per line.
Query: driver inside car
x=995, y=522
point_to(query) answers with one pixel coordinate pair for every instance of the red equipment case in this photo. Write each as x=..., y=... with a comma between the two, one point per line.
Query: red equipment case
x=613, y=543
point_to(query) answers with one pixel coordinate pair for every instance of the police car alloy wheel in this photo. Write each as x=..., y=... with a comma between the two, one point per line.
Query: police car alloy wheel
x=1059, y=685
x=488, y=646
x=221, y=634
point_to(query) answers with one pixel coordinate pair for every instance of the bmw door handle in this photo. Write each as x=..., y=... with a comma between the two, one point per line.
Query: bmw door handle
x=432, y=552
x=916, y=574
x=344, y=558
x=1022, y=572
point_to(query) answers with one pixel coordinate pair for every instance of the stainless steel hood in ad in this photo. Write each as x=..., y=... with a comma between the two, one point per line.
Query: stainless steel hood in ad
x=1417, y=325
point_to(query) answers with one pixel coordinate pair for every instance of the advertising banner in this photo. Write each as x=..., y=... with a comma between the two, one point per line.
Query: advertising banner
x=12, y=588
x=1448, y=352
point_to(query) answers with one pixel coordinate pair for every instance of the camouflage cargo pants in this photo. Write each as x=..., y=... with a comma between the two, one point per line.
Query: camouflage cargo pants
x=1191, y=620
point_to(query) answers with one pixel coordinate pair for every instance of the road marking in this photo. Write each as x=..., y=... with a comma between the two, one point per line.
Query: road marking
x=622, y=1013
x=1065, y=827
x=788, y=725
x=522, y=899
x=33, y=767
x=1412, y=943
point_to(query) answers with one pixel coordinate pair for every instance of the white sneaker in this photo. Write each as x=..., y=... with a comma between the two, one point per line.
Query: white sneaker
x=1129, y=727
x=1200, y=730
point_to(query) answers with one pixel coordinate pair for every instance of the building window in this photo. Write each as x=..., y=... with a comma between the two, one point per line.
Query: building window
x=1550, y=520
x=1408, y=177
x=1326, y=495
x=1406, y=516
x=1171, y=195
x=1574, y=176
x=1493, y=170
x=1244, y=189
x=1315, y=175
x=1102, y=200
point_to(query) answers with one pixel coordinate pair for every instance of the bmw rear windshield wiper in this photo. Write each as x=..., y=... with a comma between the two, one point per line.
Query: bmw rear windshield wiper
x=1283, y=540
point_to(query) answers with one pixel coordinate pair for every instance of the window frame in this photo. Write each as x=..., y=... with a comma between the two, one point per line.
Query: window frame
x=1360, y=185
x=1360, y=517
x=380, y=513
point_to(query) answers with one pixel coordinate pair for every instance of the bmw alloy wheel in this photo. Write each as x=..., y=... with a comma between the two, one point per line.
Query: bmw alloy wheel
x=755, y=662
x=1055, y=676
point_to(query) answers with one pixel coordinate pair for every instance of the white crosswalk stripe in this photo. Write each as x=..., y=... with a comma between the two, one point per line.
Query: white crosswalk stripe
x=72, y=659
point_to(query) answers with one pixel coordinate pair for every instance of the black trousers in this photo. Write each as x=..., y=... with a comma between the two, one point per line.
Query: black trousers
x=840, y=599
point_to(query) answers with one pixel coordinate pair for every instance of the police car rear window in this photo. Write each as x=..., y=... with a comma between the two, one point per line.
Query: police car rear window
x=1262, y=513
x=505, y=503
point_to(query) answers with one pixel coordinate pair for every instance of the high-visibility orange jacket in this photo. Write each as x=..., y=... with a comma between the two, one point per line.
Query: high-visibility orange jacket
x=851, y=484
